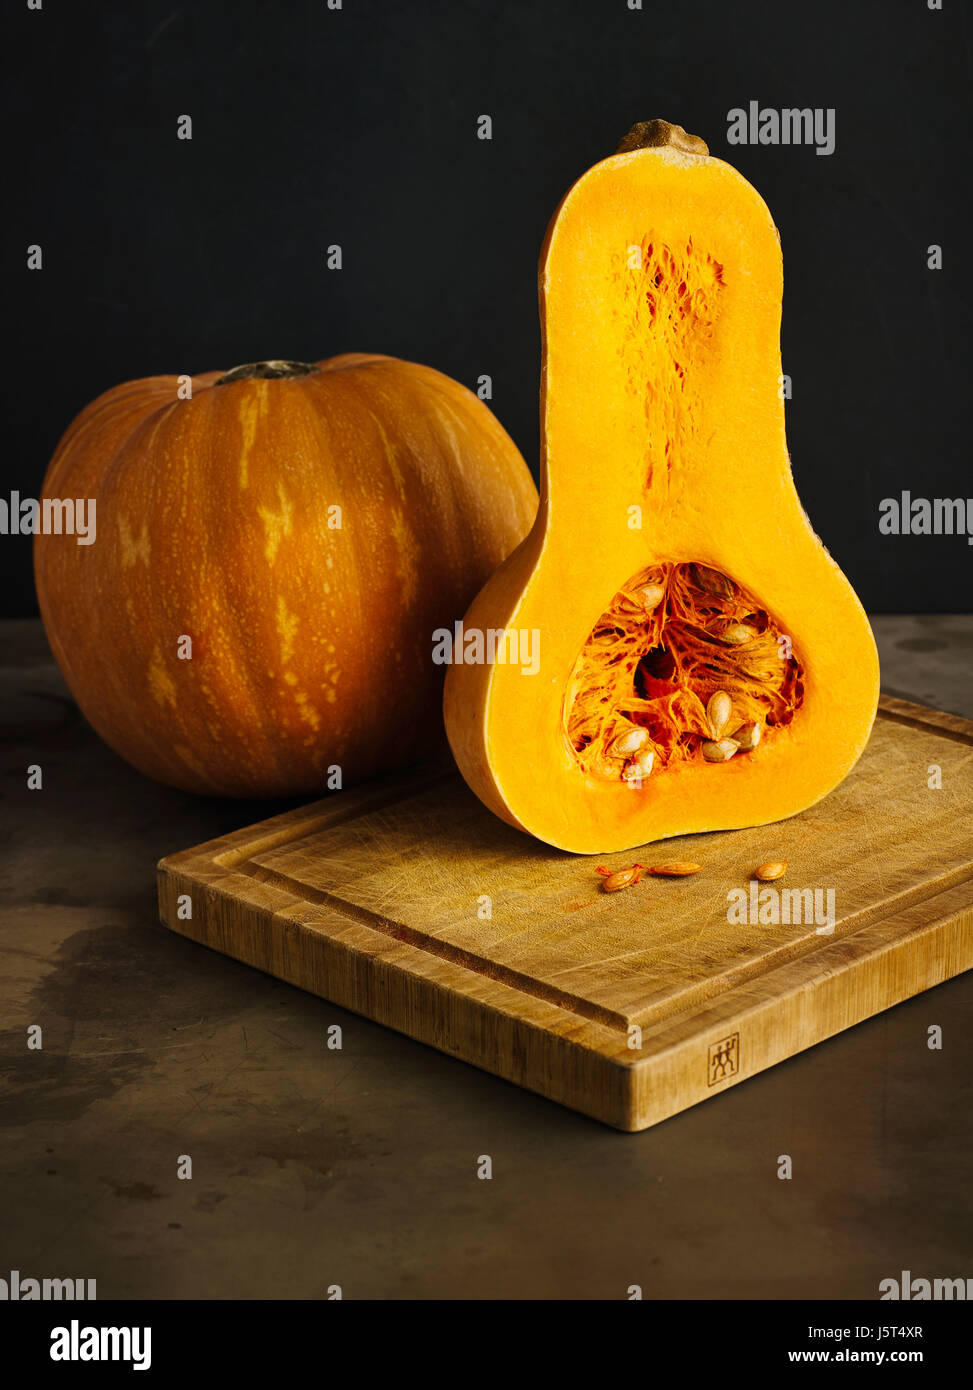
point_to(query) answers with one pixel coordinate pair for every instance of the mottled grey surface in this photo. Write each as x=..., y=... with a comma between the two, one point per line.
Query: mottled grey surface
x=358, y=1167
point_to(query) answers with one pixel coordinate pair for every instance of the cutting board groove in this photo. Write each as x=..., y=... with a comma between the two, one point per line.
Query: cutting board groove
x=375, y=899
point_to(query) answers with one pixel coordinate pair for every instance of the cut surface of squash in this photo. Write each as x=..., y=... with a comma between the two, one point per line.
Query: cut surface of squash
x=701, y=661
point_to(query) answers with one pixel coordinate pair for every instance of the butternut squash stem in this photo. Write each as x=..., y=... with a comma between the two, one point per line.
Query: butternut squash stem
x=646, y=135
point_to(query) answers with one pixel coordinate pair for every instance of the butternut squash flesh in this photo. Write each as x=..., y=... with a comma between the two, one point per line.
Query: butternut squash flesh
x=671, y=559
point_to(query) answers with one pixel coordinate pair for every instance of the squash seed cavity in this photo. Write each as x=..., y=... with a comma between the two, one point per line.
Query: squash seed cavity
x=680, y=658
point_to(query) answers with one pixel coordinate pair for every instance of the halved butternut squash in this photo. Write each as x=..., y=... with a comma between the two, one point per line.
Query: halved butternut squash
x=701, y=661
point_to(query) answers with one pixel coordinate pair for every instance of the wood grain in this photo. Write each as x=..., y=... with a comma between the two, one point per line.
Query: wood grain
x=408, y=902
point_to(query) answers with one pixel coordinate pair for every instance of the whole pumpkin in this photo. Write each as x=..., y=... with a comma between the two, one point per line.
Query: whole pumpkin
x=274, y=550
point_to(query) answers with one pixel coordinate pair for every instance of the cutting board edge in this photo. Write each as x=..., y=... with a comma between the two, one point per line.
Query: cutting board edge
x=891, y=962
x=532, y=1030
x=598, y=1076
x=578, y=1062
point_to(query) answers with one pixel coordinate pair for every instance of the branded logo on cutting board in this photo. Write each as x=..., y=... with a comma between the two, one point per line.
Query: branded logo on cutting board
x=724, y=1059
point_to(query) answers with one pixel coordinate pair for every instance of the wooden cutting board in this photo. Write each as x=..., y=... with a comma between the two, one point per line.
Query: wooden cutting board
x=408, y=902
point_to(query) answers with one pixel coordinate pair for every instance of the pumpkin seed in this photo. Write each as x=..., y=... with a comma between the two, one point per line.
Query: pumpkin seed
x=686, y=654
x=674, y=870
x=735, y=634
x=650, y=596
x=720, y=752
x=628, y=743
x=711, y=581
x=719, y=708
x=776, y=868
x=622, y=878
x=640, y=766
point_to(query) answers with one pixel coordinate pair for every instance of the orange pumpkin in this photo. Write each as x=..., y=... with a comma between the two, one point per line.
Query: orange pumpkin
x=272, y=557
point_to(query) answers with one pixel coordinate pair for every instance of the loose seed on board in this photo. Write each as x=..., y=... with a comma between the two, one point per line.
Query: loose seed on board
x=628, y=743
x=719, y=708
x=621, y=878
x=720, y=752
x=735, y=634
x=747, y=736
x=640, y=766
x=676, y=870
x=776, y=868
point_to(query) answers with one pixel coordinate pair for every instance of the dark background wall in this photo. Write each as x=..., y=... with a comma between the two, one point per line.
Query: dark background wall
x=358, y=126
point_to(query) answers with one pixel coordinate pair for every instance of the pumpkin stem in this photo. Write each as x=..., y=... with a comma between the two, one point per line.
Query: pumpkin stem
x=649, y=134
x=273, y=369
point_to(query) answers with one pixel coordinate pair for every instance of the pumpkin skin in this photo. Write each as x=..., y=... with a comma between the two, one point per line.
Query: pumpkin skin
x=311, y=645
x=661, y=392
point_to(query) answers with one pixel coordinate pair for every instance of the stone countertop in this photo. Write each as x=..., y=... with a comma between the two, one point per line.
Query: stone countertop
x=312, y=1168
